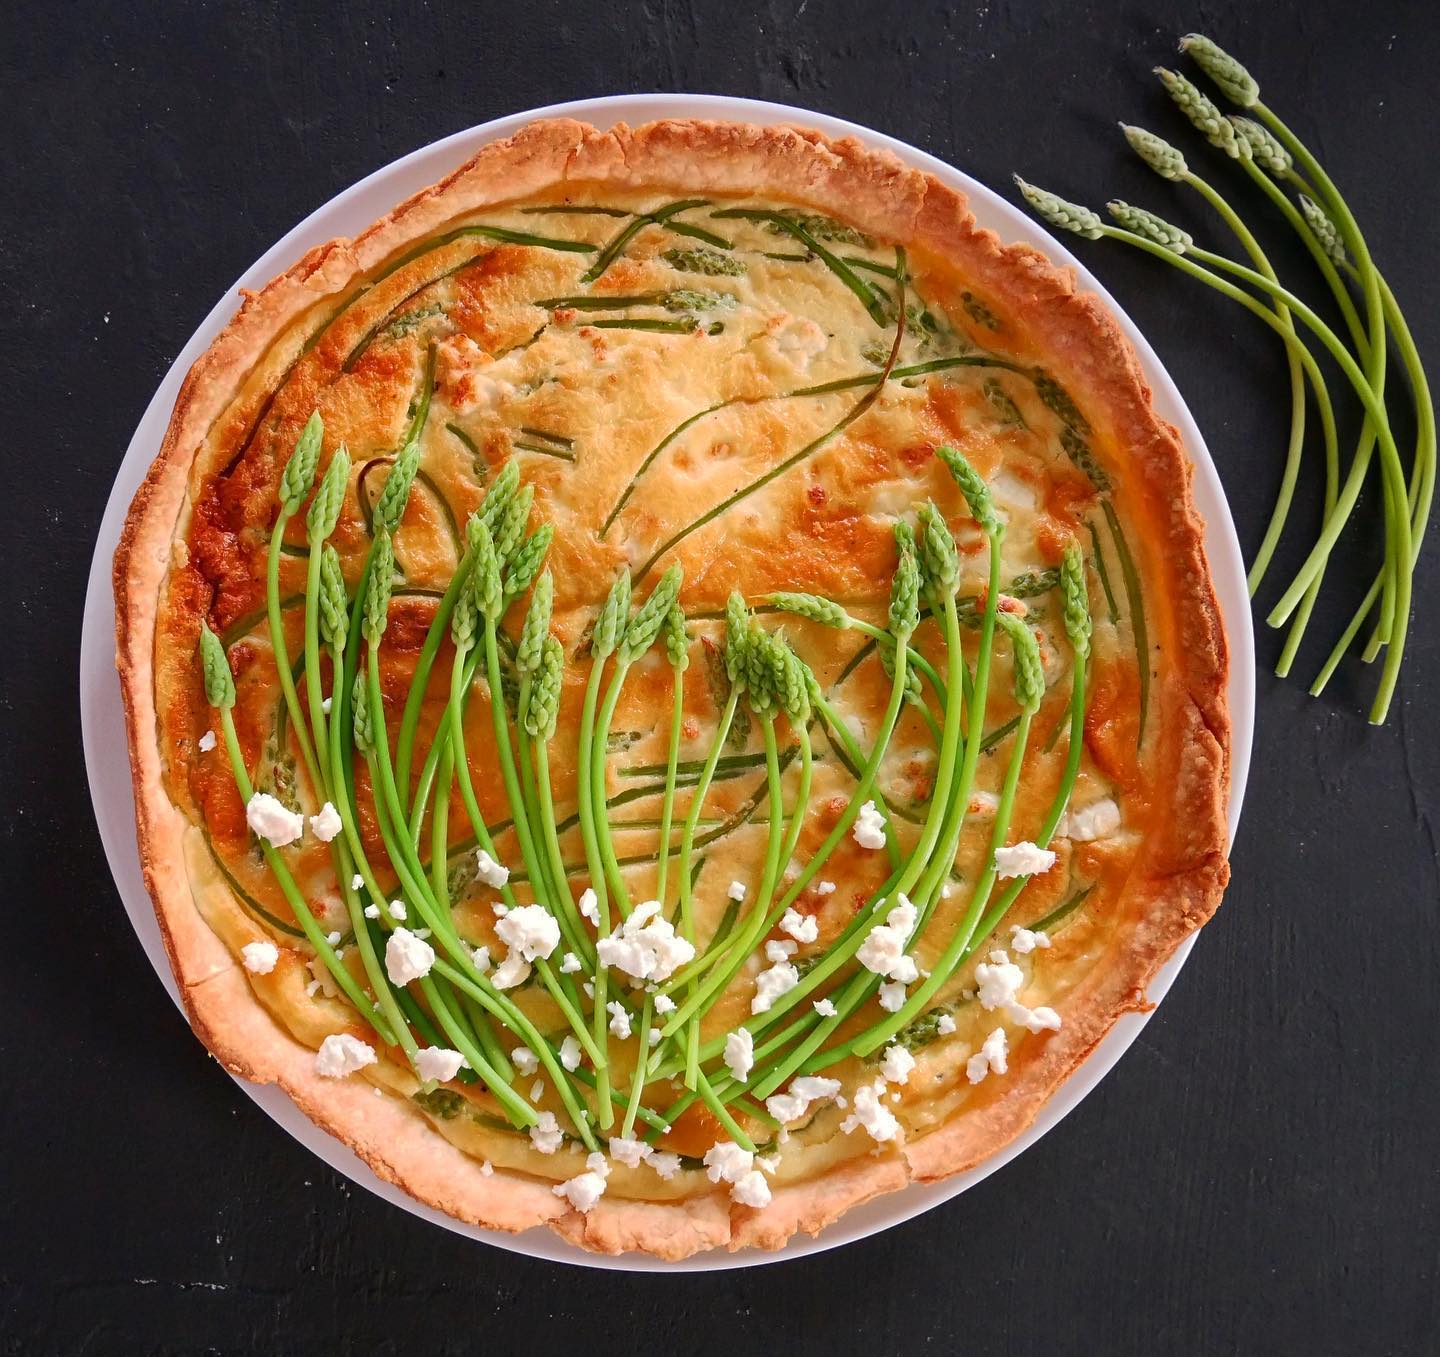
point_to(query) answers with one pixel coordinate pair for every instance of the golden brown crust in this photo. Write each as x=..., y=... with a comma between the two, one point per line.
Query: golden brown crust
x=1174, y=890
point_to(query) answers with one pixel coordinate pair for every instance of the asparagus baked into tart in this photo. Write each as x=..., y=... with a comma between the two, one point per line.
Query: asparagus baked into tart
x=673, y=686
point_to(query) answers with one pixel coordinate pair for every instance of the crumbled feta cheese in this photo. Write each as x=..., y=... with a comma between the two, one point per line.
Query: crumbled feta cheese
x=869, y=827
x=260, y=957
x=312, y=988
x=582, y=1192
x=824, y=1007
x=207, y=742
x=526, y=1061
x=537, y=1090
x=883, y=950
x=570, y=1053
x=645, y=946
x=666, y=1165
x=944, y=1024
x=998, y=982
x=590, y=906
x=726, y=1162
x=1040, y=1019
x=271, y=820
x=892, y=996
x=407, y=957
x=489, y=871
x=514, y=970
x=333, y=938
x=546, y=1135
x=486, y=1168
x=1098, y=820
x=1022, y=940
x=991, y=1058
x=736, y=891
x=481, y=957
x=397, y=910
x=740, y=1052
x=631, y=1153
x=946, y=891
x=751, y=1190
x=1022, y=859
x=569, y=964
x=325, y=706
x=897, y=1065
x=530, y=930
x=357, y=882
x=777, y=951
x=438, y=1063
x=342, y=1054
x=795, y=1101
x=326, y=825
x=655, y=1035
x=802, y=927
x=771, y=984
x=870, y=1116
x=825, y=888
x=589, y=987
x=664, y=1003
x=619, y=1019
x=372, y=911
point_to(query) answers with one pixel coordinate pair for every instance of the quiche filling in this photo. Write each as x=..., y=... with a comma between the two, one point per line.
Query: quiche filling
x=660, y=687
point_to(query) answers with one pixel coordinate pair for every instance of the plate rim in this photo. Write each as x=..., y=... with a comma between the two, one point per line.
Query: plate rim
x=102, y=725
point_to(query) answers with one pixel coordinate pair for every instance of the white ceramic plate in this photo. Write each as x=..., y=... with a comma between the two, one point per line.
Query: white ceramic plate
x=107, y=760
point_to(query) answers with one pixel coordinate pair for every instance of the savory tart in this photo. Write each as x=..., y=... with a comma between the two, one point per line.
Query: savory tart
x=673, y=686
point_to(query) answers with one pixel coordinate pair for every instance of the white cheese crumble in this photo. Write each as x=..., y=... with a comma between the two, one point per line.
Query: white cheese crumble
x=751, y=1190
x=824, y=1007
x=892, y=996
x=407, y=957
x=272, y=821
x=645, y=946
x=991, y=1058
x=1022, y=940
x=590, y=905
x=666, y=1165
x=570, y=1053
x=357, y=882
x=530, y=930
x=777, y=950
x=726, y=1162
x=1098, y=820
x=207, y=742
x=825, y=888
x=260, y=957
x=372, y=911
x=481, y=957
x=537, y=1090
x=342, y=1054
x=526, y=1061
x=771, y=984
x=802, y=927
x=325, y=706
x=631, y=1153
x=438, y=1063
x=326, y=825
x=1023, y=859
x=944, y=1024
x=546, y=1135
x=486, y=1168
x=795, y=1101
x=897, y=1065
x=333, y=938
x=883, y=950
x=740, y=1053
x=396, y=909
x=514, y=970
x=489, y=871
x=869, y=827
x=870, y=1116
x=736, y=891
x=998, y=982
x=619, y=1019
x=664, y=1003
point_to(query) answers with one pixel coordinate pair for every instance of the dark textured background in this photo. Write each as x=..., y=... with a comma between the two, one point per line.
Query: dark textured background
x=1258, y=1174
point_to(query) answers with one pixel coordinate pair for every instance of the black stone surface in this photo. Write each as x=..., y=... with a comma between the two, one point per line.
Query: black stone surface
x=1259, y=1174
